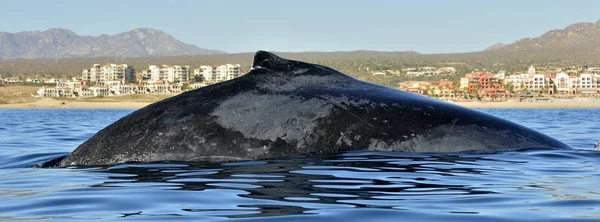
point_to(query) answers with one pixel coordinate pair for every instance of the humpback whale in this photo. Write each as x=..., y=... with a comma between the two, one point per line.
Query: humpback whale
x=284, y=108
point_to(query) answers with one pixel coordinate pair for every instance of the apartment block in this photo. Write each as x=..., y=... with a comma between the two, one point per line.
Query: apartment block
x=108, y=72
x=218, y=73
x=168, y=73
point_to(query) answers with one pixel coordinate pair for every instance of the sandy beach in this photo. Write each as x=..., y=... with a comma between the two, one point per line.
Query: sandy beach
x=49, y=103
x=556, y=103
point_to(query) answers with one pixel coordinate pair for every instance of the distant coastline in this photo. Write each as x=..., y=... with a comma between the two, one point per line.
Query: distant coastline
x=50, y=103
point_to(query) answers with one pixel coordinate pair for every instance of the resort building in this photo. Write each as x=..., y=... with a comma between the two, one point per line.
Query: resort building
x=108, y=72
x=414, y=73
x=94, y=91
x=12, y=81
x=169, y=73
x=218, y=73
x=587, y=84
x=160, y=86
x=447, y=70
x=562, y=83
x=537, y=82
x=501, y=74
x=464, y=82
x=531, y=70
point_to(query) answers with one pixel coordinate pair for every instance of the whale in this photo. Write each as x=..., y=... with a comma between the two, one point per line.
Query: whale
x=284, y=108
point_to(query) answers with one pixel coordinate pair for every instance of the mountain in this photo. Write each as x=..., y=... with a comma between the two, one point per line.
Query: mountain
x=63, y=43
x=581, y=40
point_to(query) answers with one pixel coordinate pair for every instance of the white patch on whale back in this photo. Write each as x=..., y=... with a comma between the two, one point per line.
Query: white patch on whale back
x=269, y=117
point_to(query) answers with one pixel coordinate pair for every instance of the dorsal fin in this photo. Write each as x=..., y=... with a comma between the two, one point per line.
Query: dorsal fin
x=264, y=59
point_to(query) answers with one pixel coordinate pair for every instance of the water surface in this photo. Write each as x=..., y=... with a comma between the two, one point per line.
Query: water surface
x=535, y=185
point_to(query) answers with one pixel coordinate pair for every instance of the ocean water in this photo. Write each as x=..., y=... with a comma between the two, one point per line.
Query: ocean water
x=532, y=185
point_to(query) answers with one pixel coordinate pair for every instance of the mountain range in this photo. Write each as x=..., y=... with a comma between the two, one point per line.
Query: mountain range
x=577, y=44
x=64, y=43
x=581, y=37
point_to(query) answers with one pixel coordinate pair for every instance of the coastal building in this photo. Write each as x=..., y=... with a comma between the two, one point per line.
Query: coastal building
x=431, y=73
x=531, y=70
x=447, y=70
x=33, y=81
x=126, y=89
x=94, y=91
x=379, y=73
x=69, y=84
x=501, y=74
x=594, y=70
x=218, y=73
x=464, y=82
x=169, y=73
x=51, y=81
x=587, y=84
x=537, y=83
x=393, y=72
x=444, y=89
x=516, y=81
x=63, y=89
x=562, y=83
x=150, y=87
x=12, y=81
x=491, y=86
x=414, y=73
x=108, y=72
x=55, y=92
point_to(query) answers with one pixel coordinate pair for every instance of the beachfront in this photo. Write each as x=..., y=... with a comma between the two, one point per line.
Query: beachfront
x=49, y=103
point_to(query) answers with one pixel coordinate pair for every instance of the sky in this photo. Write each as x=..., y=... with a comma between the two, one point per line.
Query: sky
x=233, y=26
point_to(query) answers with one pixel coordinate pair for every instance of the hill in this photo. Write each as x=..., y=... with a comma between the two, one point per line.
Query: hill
x=63, y=43
x=579, y=41
x=577, y=44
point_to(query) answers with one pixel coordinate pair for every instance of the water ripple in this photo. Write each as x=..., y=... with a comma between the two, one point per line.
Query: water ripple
x=532, y=185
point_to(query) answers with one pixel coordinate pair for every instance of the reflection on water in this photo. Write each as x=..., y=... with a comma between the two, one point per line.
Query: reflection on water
x=534, y=184
x=539, y=185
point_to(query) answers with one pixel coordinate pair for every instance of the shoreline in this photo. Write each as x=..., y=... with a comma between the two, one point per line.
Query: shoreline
x=50, y=103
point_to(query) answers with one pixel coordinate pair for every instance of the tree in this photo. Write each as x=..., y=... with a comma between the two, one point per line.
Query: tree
x=509, y=87
x=185, y=87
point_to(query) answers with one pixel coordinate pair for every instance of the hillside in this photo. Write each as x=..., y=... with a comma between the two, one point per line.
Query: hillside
x=63, y=43
x=577, y=44
x=576, y=41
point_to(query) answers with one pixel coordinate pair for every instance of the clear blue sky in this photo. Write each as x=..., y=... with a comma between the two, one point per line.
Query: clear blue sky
x=426, y=26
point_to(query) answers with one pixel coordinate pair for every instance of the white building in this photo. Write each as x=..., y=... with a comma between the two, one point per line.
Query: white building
x=414, y=73
x=55, y=92
x=108, y=72
x=427, y=68
x=218, y=73
x=447, y=70
x=501, y=74
x=516, y=80
x=431, y=73
x=13, y=81
x=587, y=81
x=169, y=73
x=464, y=82
x=94, y=91
x=562, y=83
x=531, y=70
x=537, y=82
